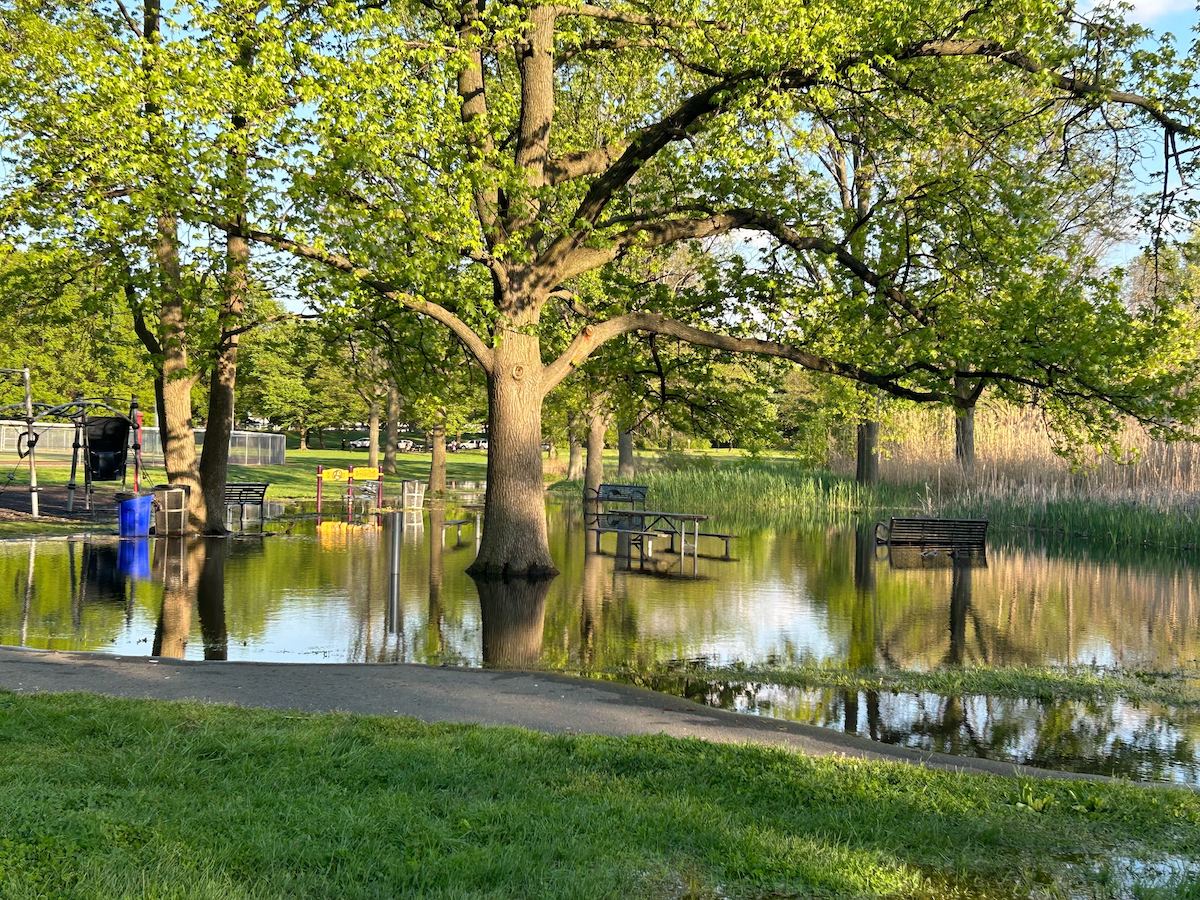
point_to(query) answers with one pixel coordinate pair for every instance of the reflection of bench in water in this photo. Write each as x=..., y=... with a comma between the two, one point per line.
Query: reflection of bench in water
x=909, y=557
x=456, y=524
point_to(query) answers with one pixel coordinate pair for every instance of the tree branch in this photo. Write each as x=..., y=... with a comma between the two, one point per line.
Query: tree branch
x=594, y=336
x=482, y=353
x=655, y=230
x=582, y=163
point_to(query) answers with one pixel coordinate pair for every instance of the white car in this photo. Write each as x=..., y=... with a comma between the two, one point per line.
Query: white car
x=360, y=444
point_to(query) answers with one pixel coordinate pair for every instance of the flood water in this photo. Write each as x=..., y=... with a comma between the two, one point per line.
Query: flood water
x=801, y=595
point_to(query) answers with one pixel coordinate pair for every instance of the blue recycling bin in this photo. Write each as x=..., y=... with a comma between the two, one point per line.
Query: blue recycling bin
x=134, y=516
x=133, y=559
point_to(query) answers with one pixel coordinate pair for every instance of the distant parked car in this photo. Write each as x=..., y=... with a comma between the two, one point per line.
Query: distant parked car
x=360, y=444
x=474, y=444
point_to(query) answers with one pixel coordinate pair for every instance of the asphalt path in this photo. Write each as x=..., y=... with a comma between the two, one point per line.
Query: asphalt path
x=557, y=704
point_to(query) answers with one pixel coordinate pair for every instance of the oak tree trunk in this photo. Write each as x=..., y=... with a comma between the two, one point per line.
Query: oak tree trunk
x=964, y=440
x=964, y=426
x=214, y=459
x=373, y=434
x=514, y=542
x=867, y=453
x=594, y=466
x=437, y=460
x=626, y=464
x=393, y=430
x=574, y=457
x=303, y=438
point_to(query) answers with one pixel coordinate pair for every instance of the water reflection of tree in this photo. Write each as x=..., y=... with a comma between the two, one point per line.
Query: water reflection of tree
x=435, y=637
x=513, y=615
x=210, y=599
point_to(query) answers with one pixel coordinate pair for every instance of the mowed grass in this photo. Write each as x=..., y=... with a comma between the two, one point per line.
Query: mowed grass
x=114, y=798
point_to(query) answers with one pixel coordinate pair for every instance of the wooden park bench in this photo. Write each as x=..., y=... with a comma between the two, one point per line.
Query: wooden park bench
x=967, y=534
x=634, y=495
x=243, y=494
x=627, y=496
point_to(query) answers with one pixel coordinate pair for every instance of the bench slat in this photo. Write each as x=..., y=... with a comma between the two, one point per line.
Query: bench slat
x=937, y=532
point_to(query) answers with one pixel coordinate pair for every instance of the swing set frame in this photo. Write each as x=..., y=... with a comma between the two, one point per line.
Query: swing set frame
x=78, y=412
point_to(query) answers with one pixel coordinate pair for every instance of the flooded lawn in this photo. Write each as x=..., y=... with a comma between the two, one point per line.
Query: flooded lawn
x=815, y=595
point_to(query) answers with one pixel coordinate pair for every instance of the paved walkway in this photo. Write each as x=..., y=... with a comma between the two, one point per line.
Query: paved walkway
x=543, y=702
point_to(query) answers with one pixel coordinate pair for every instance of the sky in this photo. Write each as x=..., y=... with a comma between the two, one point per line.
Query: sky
x=1175, y=16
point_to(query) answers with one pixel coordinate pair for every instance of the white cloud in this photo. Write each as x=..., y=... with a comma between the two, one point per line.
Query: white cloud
x=1149, y=11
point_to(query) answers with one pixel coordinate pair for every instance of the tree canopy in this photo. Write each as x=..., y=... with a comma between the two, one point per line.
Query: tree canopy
x=494, y=166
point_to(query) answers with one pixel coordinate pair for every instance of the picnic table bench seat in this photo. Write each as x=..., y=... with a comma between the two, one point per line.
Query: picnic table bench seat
x=716, y=535
x=927, y=532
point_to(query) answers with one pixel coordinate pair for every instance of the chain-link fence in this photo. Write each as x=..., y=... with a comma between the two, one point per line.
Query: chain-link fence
x=246, y=448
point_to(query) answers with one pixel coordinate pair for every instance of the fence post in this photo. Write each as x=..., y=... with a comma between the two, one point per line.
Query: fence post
x=349, y=494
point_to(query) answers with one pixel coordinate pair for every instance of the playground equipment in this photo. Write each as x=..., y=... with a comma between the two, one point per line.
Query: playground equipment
x=365, y=483
x=103, y=440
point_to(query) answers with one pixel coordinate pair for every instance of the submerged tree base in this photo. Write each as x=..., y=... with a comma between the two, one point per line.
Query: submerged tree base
x=509, y=572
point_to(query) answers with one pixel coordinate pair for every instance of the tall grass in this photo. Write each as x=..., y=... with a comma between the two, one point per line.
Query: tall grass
x=775, y=491
x=1015, y=453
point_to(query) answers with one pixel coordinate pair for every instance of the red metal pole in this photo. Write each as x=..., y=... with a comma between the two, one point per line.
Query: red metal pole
x=349, y=494
x=320, y=485
x=379, y=500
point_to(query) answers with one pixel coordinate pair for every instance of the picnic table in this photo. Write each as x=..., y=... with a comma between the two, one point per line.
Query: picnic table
x=668, y=523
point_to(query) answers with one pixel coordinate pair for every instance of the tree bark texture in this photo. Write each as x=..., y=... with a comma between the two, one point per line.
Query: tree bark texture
x=867, y=453
x=373, y=434
x=214, y=459
x=393, y=430
x=964, y=426
x=437, y=460
x=574, y=457
x=514, y=542
x=178, y=438
x=626, y=463
x=594, y=465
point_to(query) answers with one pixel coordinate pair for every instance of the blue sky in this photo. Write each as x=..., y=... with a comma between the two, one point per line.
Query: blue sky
x=1175, y=16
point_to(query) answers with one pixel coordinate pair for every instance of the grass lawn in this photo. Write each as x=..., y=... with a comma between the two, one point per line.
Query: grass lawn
x=108, y=798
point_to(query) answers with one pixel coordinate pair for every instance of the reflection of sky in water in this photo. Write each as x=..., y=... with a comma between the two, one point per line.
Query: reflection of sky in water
x=1121, y=739
x=820, y=595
